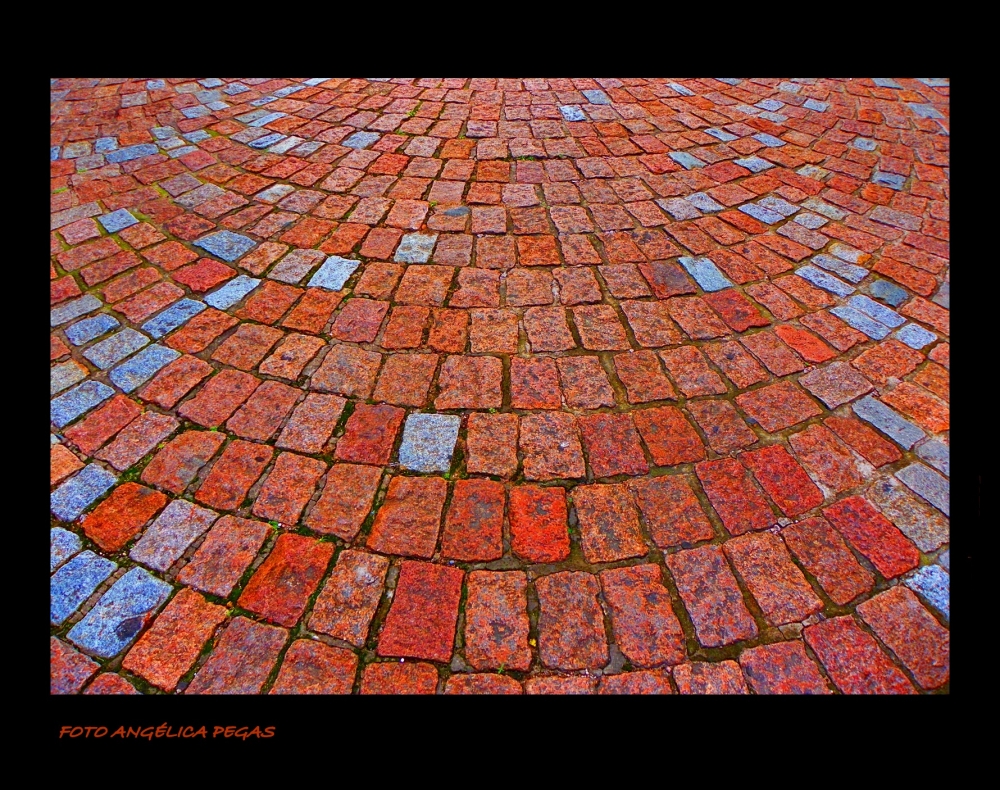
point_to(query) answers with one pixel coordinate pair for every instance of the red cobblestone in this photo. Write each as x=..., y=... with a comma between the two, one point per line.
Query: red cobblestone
x=121, y=516
x=723, y=677
x=69, y=669
x=473, y=528
x=391, y=677
x=823, y=553
x=409, y=519
x=347, y=603
x=232, y=476
x=864, y=440
x=783, y=479
x=243, y=657
x=853, y=659
x=198, y=333
x=314, y=668
x=496, y=621
x=96, y=428
x=470, y=383
x=782, y=668
x=778, y=406
x=644, y=624
x=491, y=443
x=778, y=586
x=263, y=413
x=899, y=619
x=282, y=585
x=551, y=448
x=612, y=444
x=560, y=684
x=873, y=535
x=608, y=523
x=534, y=384
x=482, y=683
x=165, y=653
x=227, y=551
x=370, y=434
x=219, y=398
x=735, y=309
x=176, y=465
x=711, y=596
x=585, y=383
x=643, y=377
x=288, y=487
x=828, y=460
x=538, y=523
x=889, y=359
x=62, y=463
x=346, y=500
x=570, y=623
x=421, y=622
x=175, y=381
x=347, y=370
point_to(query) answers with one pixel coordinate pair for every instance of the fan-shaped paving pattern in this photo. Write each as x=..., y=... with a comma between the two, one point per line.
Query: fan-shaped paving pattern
x=499, y=386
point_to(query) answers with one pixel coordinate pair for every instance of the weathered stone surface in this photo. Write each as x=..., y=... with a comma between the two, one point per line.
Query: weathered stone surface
x=570, y=622
x=347, y=603
x=421, y=621
x=496, y=621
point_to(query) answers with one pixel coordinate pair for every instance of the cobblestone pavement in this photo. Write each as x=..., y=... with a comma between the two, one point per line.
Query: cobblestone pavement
x=508, y=386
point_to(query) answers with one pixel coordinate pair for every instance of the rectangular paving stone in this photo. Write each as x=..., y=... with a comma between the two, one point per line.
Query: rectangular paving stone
x=901, y=431
x=267, y=140
x=346, y=500
x=491, y=444
x=288, y=488
x=117, y=220
x=754, y=164
x=360, y=140
x=873, y=309
x=734, y=495
x=937, y=454
x=915, y=336
x=138, y=439
x=703, y=202
x=686, y=160
x=702, y=677
x=311, y=424
x=765, y=215
x=90, y=328
x=782, y=668
x=232, y=476
x=120, y=614
x=409, y=519
x=421, y=621
x=835, y=384
x=226, y=245
x=596, y=96
x=496, y=621
x=262, y=414
x=928, y=484
x=823, y=553
x=572, y=113
x=873, y=535
x=911, y=632
x=243, y=658
x=131, y=152
x=854, y=274
x=77, y=494
x=167, y=538
x=178, y=314
x=415, y=248
x=783, y=479
x=932, y=583
x=705, y=273
x=227, y=551
x=74, y=582
x=429, y=442
x=78, y=401
x=920, y=522
x=608, y=522
x=861, y=322
x=853, y=659
x=711, y=596
x=66, y=374
x=334, y=273
x=116, y=348
x=643, y=621
x=346, y=605
x=122, y=515
x=63, y=544
x=168, y=650
x=140, y=368
x=778, y=406
x=827, y=282
x=570, y=622
x=283, y=584
x=551, y=446
x=671, y=512
x=778, y=586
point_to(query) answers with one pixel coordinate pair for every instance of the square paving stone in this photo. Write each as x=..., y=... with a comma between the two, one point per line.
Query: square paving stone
x=334, y=273
x=429, y=442
x=75, y=495
x=226, y=245
x=73, y=583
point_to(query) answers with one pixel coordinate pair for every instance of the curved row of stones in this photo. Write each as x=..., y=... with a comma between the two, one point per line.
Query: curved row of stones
x=499, y=386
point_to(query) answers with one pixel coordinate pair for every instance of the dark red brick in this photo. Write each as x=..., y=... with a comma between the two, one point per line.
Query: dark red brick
x=599, y=328
x=735, y=309
x=263, y=413
x=585, y=383
x=359, y=320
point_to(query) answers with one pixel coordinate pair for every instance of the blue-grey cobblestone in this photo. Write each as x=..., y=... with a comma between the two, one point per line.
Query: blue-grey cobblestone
x=140, y=368
x=943, y=295
x=933, y=584
x=705, y=273
x=360, y=140
x=120, y=614
x=117, y=220
x=924, y=110
x=811, y=221
x=595, y=96
x=861, y=322
x=74, y=583
x=226, y=245
x=235, y=88
x=572, y=112
x=888, y=292
x=77, y=494
x=863, y=144
x=65, y=374
x=178, y=314
x=937, y=454
x=79, y=400
x=915, y=336
x=824, y=208
x=721, y=134
x=415, y=248
x=854, y=274
x=429, y=442
x=754, y=164
x=105, y=144
x=676, y=86
x=131, y=152
x=266, y=140
x=230, y=293
x=928, y=484
x=891, y=180
x=824, y=280
x=765, y=215
x=816, y=106
x=783, y=207
x=879, y=312
x=886, y=82
x=678, y=208
x=115, y=348
x=334, y=273
x=769, y=140
x=266, y=118
x=63, y=544
x=686, y=160
x=888, y=421
x=704, y=202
